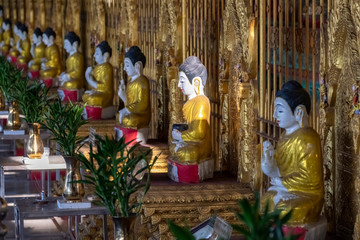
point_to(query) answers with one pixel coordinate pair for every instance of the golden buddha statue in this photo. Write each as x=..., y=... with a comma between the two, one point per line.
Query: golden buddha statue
x=15, y=43
x=38, y=53
x=99, y=98
x=6, y=37
x=295, y=167
x=136, y=95
x=194, y=144
x=24, y=48
x=51, y=64
x=72, y=80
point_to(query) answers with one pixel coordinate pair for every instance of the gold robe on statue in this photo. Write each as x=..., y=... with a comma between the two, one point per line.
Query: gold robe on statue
x=138, y=104
x=25, y=54
x=39, y=53
x=300, y=163
x=6, y=40
x=104, y=93
x=75, y=70
x=197, y=137
x=53, y=63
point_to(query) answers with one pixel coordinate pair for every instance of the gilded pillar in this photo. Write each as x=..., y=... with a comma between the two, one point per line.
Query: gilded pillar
x=29, y=16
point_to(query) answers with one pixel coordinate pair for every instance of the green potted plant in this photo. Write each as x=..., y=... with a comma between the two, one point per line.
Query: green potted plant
x=9, y=78
x=116, y=170
x=64, y=121
x=33, y=100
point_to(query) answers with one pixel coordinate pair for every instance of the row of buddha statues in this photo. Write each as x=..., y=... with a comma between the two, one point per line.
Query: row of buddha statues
x=294, y=167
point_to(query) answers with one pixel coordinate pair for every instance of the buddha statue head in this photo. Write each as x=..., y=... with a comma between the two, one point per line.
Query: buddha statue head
x=23, y=31
x=103, y=52
x=71, y=43
x=6, y=24
x=37, y=36
x=16, y=28
x=192, y=77
x=292, y=107
x=48, y=36
x=134, y=62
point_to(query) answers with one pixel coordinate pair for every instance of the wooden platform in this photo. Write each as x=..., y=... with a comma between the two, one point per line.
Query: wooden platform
x=102, y=127
x=189, y=204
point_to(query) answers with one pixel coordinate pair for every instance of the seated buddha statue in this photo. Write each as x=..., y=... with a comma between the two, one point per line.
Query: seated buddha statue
x=295, y=167
x=38, y=53
x=99, y=98
x=15, y=43
x=6, y=37
x=136, y=95
x=72, y=80
x=24, y=48
x=51, y=64
x=192, y=144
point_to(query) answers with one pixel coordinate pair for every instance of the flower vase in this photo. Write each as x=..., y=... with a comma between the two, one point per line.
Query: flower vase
x=13, y=121
x=34, y=146
x=73, y=191
x=124, y=227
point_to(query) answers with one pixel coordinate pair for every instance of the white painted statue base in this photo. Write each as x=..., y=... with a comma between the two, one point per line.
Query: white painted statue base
x=37, y=161
x=63, y=204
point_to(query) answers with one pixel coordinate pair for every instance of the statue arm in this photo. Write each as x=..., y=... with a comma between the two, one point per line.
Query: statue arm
x=268, y=162
x=26, y=49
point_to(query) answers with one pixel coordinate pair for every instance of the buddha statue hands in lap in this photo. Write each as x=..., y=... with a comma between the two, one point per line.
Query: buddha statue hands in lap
x=99, y=98
x=38, y=53
x=24, y=48
x=194, y=144
x=136, y=95
x=72, y=80
x=6, y=37
x=295, y=167
x=51, y=64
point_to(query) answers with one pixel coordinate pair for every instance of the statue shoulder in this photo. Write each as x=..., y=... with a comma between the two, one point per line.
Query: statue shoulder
x=307, y=136
x=202, y=101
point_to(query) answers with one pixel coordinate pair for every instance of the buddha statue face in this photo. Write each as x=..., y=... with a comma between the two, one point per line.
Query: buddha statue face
x=37, y=39
x=129, y=67
x=5, y=26
x=47, y=40
x=70, y=47
x=283, y=114
x=184, y=84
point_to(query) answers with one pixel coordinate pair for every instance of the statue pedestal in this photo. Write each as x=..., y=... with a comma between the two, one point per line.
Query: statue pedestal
x=135, y=135
x=69, y=95
x=312, y=231
x=22, y=66
x=12, y=59
x=34, y=74
x=190, y=173
x=49, y=82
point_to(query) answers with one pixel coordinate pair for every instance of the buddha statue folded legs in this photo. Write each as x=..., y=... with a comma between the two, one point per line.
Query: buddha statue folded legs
x=136, y=114
x=72, y=80
x=99, y=99
x=295, y=167
x=191, y=159
x=51, y=65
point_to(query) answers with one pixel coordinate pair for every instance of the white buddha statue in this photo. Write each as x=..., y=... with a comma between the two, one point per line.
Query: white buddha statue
x=295, y=167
